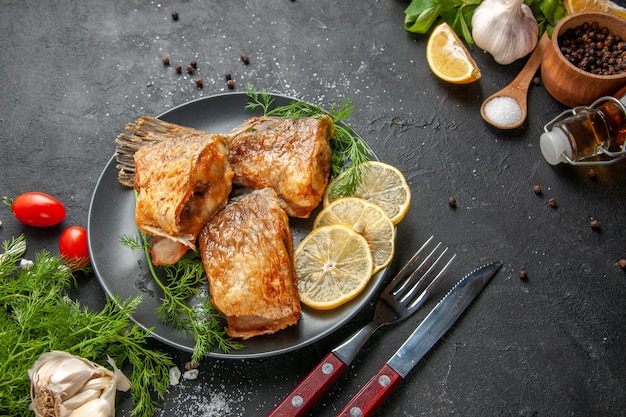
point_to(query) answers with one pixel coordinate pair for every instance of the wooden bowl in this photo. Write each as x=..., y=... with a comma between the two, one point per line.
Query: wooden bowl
x=569, y=84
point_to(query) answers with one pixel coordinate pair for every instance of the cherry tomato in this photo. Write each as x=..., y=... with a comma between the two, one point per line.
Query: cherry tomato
x=73, y=246
x=38, y=209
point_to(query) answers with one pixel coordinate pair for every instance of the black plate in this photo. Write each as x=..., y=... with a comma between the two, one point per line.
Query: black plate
x=124, y=272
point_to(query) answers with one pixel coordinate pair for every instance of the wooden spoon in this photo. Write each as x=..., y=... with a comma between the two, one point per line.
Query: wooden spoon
x=518, y=88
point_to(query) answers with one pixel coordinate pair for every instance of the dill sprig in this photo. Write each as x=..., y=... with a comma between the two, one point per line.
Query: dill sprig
x=184, y=305
x=37, y=316
x=349, y=151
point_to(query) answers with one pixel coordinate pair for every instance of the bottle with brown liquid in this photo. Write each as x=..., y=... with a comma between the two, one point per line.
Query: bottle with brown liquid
x=588, y=132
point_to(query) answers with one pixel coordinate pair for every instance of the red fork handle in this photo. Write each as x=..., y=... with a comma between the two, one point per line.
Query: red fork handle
x=373, y=394
x=309, y=390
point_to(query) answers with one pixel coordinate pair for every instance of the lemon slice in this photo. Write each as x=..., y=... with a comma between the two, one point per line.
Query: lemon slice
x=368, y=220
x=608, y=6
x=448, y=58
x=383, y=185
x=333, y=264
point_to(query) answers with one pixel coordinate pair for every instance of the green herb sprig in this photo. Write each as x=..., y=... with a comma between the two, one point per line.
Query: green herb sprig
x=348, y=150
x=181, y=285
x=36, y=316
x=421, y=15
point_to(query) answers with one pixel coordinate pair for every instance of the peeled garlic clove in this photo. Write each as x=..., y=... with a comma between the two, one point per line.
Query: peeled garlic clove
x=62, y=384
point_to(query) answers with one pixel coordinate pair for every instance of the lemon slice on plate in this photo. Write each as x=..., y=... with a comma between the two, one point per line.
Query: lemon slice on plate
x=448, y=58
x=368, y=220
x=333, y=264
x=608, y=6
x=383, y=185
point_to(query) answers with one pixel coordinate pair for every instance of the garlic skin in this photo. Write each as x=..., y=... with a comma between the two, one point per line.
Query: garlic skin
x=507, y=29
x=65, y=385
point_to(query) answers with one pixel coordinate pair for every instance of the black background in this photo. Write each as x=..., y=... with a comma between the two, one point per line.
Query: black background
x=72, y=74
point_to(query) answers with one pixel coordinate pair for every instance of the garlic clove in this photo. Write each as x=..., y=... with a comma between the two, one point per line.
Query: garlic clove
x=95, y=408
x=81, y=398
x=101, y=383
x=69, y=377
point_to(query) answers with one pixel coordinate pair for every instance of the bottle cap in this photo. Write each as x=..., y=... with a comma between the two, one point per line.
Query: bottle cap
x=554, y=145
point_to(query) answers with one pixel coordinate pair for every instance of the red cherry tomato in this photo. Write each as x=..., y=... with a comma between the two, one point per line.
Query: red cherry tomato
x=74, y=247
x=38, y=209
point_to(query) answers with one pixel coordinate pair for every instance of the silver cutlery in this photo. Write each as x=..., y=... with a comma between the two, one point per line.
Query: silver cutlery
x=403, y=296
x=435, y=325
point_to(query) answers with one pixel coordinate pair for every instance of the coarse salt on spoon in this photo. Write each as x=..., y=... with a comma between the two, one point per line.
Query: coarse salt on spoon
x=506, y=109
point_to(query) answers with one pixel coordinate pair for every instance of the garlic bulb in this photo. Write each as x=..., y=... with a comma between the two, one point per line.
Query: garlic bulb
x=65, y=385
x=507, y=29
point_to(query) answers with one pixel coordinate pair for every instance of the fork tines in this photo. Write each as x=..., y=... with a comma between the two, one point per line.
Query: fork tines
x=404, y=287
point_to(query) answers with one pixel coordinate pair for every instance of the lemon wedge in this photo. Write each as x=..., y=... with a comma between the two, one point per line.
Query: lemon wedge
x=608, y=6
x=368, y=220
x=448, y=58
x=333, y=264
x=383, y=185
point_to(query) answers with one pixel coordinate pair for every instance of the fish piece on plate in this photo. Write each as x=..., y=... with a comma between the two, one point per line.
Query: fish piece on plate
x=247, y=252
x=145, y=131
x=292, y=156
x=181, y=184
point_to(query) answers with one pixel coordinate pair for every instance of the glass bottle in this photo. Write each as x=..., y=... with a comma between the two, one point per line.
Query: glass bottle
x=582, y=133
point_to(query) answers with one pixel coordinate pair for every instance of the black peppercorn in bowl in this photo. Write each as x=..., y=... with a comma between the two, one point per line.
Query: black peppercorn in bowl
x=586, y=58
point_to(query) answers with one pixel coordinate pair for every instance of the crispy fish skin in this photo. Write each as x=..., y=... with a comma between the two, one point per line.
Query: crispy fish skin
x=292, y=156
x=181, y=184
x=143, y=132
x=247, y=252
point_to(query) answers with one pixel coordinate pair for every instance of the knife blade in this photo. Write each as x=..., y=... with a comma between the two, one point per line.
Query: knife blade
x=424, y=337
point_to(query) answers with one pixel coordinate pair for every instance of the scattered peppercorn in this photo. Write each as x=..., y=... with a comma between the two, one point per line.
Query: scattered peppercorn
x=523, y=275
x=622, y=263
x=174, y=15
x=595, y=224
x=452, y=202
x=244, y=58
x=199, y=82
x=538, y=190
x=227, y=76
x=190, y=69
x=592, y=174
x=536, y=81
x=230, y=84
x=594, y=49
x=178, y=69
x=194, y=64
x=552, y=202
x=166, y=61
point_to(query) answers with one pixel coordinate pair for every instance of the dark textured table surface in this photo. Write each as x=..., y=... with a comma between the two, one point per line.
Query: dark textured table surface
x=72, y=74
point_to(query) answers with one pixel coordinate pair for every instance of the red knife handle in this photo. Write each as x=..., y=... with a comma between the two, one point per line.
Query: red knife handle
x=373, y=394
x=309, y=390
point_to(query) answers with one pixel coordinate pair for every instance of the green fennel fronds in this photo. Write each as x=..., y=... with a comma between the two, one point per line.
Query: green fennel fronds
x=184, y=306
x=36, y=316
x=349, y=151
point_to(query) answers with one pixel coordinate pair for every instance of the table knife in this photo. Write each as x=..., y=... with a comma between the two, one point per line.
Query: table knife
x=430, y=330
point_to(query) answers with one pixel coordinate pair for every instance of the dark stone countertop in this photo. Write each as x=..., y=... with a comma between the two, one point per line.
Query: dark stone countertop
x=72, y=74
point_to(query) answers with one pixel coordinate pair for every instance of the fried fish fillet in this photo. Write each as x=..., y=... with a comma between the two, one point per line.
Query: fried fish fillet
x=145, y=131
x=247, y=252
x=181, y=184
x=292, y=156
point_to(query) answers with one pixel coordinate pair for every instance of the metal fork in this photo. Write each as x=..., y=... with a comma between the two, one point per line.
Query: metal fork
x=403, y=296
